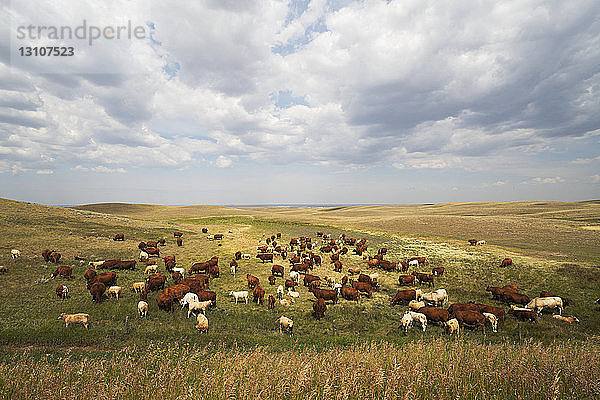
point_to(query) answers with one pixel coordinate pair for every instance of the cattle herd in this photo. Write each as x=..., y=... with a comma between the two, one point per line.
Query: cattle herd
x=191, y=288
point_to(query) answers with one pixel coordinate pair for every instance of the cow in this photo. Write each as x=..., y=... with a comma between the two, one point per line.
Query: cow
x=406, y=279
x=152, y=251
x=404, y=296
x=97, y=289
x=204, y=295
x=523, y=315
x=469, y=317
x=46, y=254
x=427, y=278
x=290, y=284
x=162, y=242
x=472, y=242
x=165, y=302
x=277, y=270
x=89, y=274
x=271, y=305
x=387, y=265
x=252, y=281
x=438, y=271
x=258, y=294
x=55, y=257
x=337, y=266
x=177, y=277
x=349, y=293
x=179, y=234
x=566, y=302
x=435, y=314
x=420, y=260
x=507, y=262
x=509, y=296
x=319, y=308
x=497, y=311
x=540, y=304
x=362, y=287
x=325, y=294
x=107, y=278
x=300, y=267
x=64, y=271
x=14, y=253
x=62, y=292
x=179, y=242
x=142, y=246
x=156, y=282
x=310, y=278
x=265, y=257
x=119, y=236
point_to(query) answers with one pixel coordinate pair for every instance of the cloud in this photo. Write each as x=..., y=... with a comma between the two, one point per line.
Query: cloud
x=595, y=178
x=544, y=181
x=44, y=172
x=223, y=162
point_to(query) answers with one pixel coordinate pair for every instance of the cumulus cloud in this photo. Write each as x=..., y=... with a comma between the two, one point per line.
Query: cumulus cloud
x=544, y=181
x=44, y=172
x=346, y=85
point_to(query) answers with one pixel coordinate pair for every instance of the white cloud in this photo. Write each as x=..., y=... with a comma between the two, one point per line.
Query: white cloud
x=595, y=178
x=44, y=172
x=223, y=162
x=544, y=181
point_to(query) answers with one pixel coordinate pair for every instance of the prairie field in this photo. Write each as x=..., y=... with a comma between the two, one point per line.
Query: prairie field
x=355, y=351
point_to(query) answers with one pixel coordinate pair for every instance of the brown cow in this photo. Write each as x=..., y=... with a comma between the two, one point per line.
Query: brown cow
x=300, y=267
x=46, y=254
x=259, y=294
x=310, y=278
x=205, y=295
x=178, y=234
x=289, y=284
x=252, y=281
x=271, y=280
x=512, y=297
x=142, y=245
x=152, y=251
x=271, y=302
x=155, y=282
x=362, y=287
x=404, y=296
x=64, y=270
x=55, y=257
x=373, y=262
x=435, y=314
x=319, y=308
x=421, y=260
x=522, y=315
x=107, y=278
x=404, y=266
x=337, y=266
x=265, y=257
x=165, y=302
x=406, y=279
x=151, y=243
x=89, y=274
x=507, y=262
x=427, y=278
x=179, y=242
x=238, y=255
x=325, y=294
x=277, y=269
x=119, y=236
x=162, y=242
x=214, y=271
x=497, y=311
x=388, y=266
x=177, y=277
x=97, y=289
x=469, y=317
x=438, y=271
x=349, y=293
x=177, y=291
x=62, y=292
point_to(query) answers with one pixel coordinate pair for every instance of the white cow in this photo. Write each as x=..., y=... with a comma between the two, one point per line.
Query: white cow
x=188, y=298
x=243, y=295
x=15, y=253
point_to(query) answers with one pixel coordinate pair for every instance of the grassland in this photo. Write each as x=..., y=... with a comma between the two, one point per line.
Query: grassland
x=556, y=253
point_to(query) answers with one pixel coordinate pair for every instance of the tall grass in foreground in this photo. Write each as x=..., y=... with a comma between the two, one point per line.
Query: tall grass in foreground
x=433, y=370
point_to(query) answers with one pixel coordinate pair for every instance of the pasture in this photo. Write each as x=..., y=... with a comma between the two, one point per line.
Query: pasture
x=544, y=259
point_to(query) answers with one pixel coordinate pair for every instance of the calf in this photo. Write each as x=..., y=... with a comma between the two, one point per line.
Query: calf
x=114, y=291
x=62, y=292
x=286, y=324
x=277, y=270
x=143, y=309
x=240, y=295
x=570, y=320
x=258, y=294
x=64, y=271
x=75, y=319
x=507, y=262
x=271, y=305
x=252, y=281
x=438, y=271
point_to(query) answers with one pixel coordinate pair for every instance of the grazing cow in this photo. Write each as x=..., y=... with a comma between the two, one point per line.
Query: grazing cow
x=471, y=318
x=196, y=307
x=437, y=297
x=337, y=266
x=179, y=234
x=162, y=242
x=14, y=253
x=290, y=284
x=362, y=287
x=406, y=279
x=263, y=257
x=571, y=319
x=277, y=270
x=213, y=271
x=179, y=242
x=404, y=296
x=114, y=291
x=279, y=294
x=138, y=287
x=202, y=323
x=310, y=278
x=498, y=312
x=472, y=242
x=435, y=314
x=388, y=266
x=97, y=290
x=319, y=308
x=62, y=292
x=165, y=302
x=421, y=260
x=523, y=315
x=438, y=271
x=64, y=271
x=427, y=278
x=511, y=297
x=142, y=245
x=151, y=243
x=119, y=236
x=188, y=298
x=259, y=294
x=540, y=304
x=452, y=326
x=403, y=266
x=507, y=262
x=150, y=269
x=177, y=291
x=204, y=295
x=325, y=294
x=413, y=263
x=240, y=295
x=419, y=317
x=295, y=276
x=493, y=320
x=83, y=319
x=143, y=309
x=349, y=293
x=480, y=242
x=156, y=282
x=271, y=305
x=415, y=305
x=144, y=256
x=252, y=281
x=271, y=279
x=286, y=324
x=108, y=278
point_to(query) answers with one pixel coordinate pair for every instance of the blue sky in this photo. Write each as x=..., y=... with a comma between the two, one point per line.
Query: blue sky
x=229, y=102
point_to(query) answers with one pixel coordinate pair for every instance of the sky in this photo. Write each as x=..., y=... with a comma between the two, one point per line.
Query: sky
x=301, y=102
